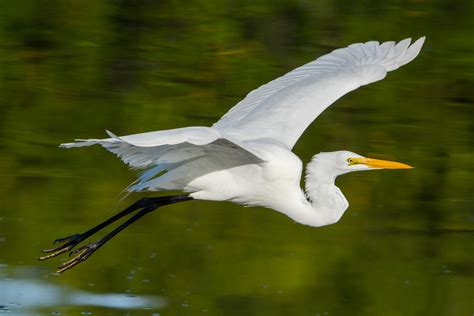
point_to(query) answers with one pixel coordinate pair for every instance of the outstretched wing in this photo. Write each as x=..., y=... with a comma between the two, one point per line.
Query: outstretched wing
x=162, y=152
x=283, y=108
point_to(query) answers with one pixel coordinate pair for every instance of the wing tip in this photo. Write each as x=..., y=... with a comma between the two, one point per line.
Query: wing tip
x=413, y=50
x=79, y=143
x=419, y=42
x=66, y=145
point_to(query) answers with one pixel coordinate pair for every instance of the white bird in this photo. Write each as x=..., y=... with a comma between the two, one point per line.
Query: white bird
x=246, y=156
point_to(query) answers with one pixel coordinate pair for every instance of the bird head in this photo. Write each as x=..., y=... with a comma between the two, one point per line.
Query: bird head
x=341, y=162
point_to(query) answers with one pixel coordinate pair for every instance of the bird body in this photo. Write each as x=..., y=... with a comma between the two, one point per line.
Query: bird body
x=246, y=156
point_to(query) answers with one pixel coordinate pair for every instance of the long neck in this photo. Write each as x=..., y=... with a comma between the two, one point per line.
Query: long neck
x=323, y=203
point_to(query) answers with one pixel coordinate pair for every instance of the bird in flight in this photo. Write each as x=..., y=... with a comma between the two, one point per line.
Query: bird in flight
x=246, y=157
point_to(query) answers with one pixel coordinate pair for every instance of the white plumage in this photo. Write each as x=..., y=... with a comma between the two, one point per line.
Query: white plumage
x=246, y=156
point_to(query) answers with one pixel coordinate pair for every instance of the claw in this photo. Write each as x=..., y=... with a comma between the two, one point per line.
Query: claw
x=82, y=254
x=77, y=250
x=68, y=243
x=52, y=249
x=67, y=265
x=54, y=254
x=69, y=238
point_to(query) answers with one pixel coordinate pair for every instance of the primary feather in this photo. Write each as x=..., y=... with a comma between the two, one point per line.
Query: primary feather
x=283, y=108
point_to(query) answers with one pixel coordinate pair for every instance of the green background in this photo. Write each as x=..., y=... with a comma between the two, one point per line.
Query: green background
x=74, y=68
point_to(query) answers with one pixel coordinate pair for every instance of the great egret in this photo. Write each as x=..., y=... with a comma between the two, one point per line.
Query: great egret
x=246, y=156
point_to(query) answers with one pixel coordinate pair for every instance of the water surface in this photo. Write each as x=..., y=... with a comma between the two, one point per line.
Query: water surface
x=73, y=69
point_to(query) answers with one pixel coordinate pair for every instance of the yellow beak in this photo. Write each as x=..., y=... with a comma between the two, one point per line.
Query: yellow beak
x=377, y=163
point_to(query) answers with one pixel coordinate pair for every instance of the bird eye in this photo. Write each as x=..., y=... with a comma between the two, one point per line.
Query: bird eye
x=350, y=161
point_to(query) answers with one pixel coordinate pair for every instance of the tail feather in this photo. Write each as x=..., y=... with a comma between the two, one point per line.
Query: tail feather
x=84, y=143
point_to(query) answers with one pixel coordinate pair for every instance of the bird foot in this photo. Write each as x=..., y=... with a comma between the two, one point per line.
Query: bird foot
x=81, y=254
x=68, y=243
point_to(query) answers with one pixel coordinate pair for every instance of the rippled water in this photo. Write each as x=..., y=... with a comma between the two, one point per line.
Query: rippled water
x=72, y=69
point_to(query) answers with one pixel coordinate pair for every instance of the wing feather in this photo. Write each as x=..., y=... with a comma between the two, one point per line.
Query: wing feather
x=280, y=110
x=160, y=153
x=169, y=146
x=283, y=108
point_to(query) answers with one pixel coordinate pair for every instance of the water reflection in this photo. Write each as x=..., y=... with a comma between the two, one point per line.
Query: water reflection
x=32, y=294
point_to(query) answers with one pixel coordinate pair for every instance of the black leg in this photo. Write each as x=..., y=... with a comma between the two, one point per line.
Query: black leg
x=70, y=242
x=146, y=205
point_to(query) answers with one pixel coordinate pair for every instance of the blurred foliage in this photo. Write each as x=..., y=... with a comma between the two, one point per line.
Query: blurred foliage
x=74, y=68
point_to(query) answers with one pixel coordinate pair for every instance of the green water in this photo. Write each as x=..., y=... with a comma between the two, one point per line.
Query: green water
x=74, y=68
